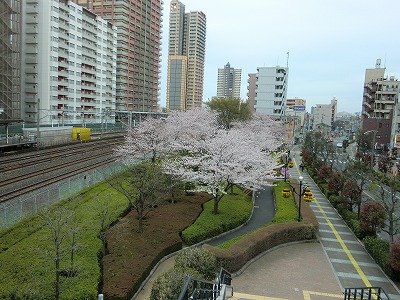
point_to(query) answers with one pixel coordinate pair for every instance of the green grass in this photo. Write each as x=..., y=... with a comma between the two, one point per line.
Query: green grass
x=26, y=251
x=286, y=211
x=234, y=210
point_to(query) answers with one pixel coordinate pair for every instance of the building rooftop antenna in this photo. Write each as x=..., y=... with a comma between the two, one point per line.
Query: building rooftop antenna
x=287, y=60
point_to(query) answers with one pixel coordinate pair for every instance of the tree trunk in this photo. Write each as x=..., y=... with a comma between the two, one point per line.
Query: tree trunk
x=215, y=212
x=57, y=281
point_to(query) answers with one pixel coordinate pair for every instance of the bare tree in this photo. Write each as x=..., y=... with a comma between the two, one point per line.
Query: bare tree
x=62, y=226
x=387, y=196
x=106, y=213
x=141, y=186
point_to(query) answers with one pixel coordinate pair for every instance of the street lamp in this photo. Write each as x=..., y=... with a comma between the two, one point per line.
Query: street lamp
x=300, y=194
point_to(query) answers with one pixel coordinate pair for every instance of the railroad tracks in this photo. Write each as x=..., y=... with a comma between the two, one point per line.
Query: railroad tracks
x=27, y=172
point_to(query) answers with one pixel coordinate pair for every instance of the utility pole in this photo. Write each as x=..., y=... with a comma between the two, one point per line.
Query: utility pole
x=37, y=124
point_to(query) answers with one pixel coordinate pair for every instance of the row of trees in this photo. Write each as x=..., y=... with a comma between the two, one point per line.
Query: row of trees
x=368, y=200
x=373, y=195
x=199, y=148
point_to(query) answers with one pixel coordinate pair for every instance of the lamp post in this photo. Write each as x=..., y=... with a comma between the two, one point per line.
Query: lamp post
x=300, y=194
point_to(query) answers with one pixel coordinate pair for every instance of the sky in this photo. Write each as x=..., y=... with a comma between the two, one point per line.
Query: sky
x=330, y=44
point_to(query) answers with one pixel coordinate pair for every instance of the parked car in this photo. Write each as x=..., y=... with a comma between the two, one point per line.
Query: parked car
x=339, y=145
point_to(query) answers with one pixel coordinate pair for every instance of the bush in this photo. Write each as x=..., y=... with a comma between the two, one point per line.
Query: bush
x=199, y=260
x=229, y=217
x=335, y=200
x=379, y=250
x=395, y=260
x=168, y=285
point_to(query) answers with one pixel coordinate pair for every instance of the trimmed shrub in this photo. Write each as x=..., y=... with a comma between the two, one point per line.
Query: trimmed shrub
x=229, y=217
x=168, y=285
x=379, y=250
x=198, y=259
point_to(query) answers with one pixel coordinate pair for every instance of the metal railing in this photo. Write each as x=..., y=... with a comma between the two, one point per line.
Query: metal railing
x=365, y=293
x=200, y=289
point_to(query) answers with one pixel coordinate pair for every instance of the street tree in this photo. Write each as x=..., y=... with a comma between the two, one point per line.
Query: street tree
x=386, y=194
x=327, y=151
x=351, y=191
x=372, y=218
x=313, y=144
x=336, y=182
x=230, y=110
x=360, y=172
x=324, y=173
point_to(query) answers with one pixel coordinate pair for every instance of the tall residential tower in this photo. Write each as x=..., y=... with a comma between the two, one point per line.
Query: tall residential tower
x=186, y=56
x=69, y=55
x=229, y=80
x=10, y=61
x=138, y=51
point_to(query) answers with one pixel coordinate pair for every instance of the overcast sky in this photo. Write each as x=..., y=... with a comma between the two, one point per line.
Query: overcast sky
x=330, y=44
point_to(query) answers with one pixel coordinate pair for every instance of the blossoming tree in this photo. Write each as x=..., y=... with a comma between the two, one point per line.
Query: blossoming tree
x=226, y=157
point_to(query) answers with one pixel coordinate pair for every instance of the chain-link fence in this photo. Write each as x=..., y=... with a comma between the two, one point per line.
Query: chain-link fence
x=16, y=209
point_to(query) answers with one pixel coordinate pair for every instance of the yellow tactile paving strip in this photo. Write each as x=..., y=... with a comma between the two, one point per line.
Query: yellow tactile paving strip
x=308, y=295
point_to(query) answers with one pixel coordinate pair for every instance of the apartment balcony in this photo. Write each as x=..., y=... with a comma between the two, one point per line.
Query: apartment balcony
x=31, y=40
x=32, y=30
x=31, y=79
x=30, y=90
x=366, y=95
x=32, y=9
x=62, y=92
x=366, y=104
x=31, y=19
x=31, y=109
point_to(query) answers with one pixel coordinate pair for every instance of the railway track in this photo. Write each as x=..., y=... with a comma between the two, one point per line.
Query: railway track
x=31, y=187
x=26, y=172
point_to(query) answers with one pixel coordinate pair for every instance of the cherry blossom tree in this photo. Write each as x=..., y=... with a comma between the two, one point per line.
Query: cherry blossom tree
x=148, y=139
x=227, y=157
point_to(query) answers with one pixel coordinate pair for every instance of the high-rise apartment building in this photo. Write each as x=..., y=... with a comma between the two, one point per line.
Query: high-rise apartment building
x=270, y=90
x=251, y=91
x=69, y=63
x=138, y=51
x=186, y=57
x=10, y=61
x=380, y=108
x=229, y=81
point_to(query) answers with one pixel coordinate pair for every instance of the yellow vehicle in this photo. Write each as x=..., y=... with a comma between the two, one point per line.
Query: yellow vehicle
x=290, y=164
x=308, y=196
x=286, y=193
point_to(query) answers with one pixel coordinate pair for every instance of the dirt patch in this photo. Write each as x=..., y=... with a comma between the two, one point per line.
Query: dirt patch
x=130, y=253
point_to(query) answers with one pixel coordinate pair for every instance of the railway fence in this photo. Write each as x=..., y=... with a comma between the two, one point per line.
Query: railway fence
x=20, y=207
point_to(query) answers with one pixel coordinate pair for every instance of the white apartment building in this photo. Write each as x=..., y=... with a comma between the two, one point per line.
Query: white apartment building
x=324, y=114
x=68, y=64
x=271, y=90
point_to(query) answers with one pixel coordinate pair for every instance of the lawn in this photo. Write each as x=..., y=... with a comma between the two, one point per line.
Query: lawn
x=27, y=249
